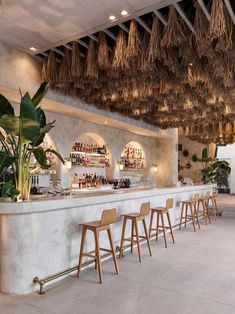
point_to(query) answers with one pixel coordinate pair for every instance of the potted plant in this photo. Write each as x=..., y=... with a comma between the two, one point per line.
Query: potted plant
x=21, y=138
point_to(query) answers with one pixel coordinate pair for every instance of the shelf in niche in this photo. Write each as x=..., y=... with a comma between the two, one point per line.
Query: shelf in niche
x=90, y=166
x=130, y=169
x=89, y=154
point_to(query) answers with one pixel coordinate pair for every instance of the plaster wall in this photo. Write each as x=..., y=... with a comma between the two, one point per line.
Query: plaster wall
x=228, y=153
x=21, y=70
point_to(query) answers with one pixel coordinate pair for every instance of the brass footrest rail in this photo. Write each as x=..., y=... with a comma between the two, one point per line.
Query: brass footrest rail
x=42, y=282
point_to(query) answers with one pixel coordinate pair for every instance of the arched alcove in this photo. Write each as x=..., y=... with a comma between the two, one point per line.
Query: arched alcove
x=133, y=163
x=90, y=155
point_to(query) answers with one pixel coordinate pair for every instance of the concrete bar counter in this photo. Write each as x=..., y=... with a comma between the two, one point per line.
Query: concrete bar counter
x=42, y=237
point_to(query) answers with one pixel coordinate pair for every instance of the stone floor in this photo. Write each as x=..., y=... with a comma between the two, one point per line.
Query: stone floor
x=196, y=275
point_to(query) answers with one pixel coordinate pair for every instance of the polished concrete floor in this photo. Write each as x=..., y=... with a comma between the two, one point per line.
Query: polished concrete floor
x=196, y=275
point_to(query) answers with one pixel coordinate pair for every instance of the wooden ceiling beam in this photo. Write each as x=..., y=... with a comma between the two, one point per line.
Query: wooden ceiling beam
x=184, y=17
x=230, y=10
x=204, y=9
x=143, y=24
x=160, y=16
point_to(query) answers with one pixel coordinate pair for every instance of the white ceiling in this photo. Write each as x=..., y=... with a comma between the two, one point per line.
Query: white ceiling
x=41, y=24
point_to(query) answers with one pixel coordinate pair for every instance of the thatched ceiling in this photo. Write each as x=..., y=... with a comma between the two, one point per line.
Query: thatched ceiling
x=171, y=68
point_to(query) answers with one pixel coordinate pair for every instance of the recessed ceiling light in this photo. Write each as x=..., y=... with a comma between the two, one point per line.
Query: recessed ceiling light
x=124, y=12
x=105, y=122
x=191, y=64
x=112, y=17
x=33, y=49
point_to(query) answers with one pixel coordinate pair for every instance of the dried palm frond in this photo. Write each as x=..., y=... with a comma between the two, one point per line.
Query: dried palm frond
x=144, y=65
x=76, y=63
x=174, y=34
x=201, y=26
x=119, y=55
x=52, y=69
x=133, y=46
x=154, y=48
x=44, y=69
x=91, y=66
x=217, y=26
x=225, y=42
x=65, y=66
x=103, y=52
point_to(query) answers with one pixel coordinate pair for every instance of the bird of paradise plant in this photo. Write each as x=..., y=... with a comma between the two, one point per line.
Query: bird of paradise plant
x=21, y=138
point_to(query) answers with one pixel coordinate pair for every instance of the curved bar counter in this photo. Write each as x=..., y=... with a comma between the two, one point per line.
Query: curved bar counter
x=42, y=237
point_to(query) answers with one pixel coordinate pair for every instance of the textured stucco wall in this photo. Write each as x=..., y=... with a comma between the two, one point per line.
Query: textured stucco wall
x=18, y=69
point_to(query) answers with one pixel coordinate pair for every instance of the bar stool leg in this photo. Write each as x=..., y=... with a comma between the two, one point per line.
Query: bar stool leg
x=132, y=234
x=169, y=222
x=123, y=235
x=147, y=237
x=207, y=211
x=186, y=216
x=196, y=214
x=163, y=228
x=181, y=215
x=97, y=253
x=192, y=215
x=137, y=238
x=151, y=223
x=157, y=230
x=84, y=229
x=204, y=211
x=113, y=251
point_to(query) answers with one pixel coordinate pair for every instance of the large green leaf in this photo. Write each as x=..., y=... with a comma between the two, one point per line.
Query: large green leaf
x=40, y=156
x=5, y=161
x=41, y=117
x=38, y=141
x=27, y=109
x=5, y=106
x=41, y=92
x=49, y=150
x=205, y=155
x=16, y=126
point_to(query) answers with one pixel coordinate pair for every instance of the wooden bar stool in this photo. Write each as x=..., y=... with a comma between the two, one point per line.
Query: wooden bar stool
x=135, y=237
x=108, y=217
x=160, y=213
x=202, y=207
x=213, y=208
x=193, y=215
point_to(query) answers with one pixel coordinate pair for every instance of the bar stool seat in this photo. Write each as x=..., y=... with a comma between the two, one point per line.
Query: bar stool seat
x=160, y=211
x=108, y=217
x=135, y=237
x=193, y=215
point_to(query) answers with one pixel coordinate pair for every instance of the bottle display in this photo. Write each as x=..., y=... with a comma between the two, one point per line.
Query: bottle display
x=89, y=155
x=87, y=180
x=132, y=158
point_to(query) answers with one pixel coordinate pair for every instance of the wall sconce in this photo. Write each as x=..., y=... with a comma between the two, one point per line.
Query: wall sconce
x=121, y=166
x=68, y=163
x=155, y=168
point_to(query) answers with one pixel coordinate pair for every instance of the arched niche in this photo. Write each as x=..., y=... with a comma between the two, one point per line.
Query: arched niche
x=92, y=138
x=133, y=163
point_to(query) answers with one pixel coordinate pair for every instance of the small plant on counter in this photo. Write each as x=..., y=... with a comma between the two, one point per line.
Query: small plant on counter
x=21, y=138
x=8, y=189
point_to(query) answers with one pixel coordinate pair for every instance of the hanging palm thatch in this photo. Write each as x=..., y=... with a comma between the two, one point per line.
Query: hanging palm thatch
x=154, y=48
x=44, y=69
x=51, y=69
x=217, y=28
x=91, y=66
x=119, y=54
x=103, y=52
x=173, y=35
x=65, y=68
x=76, y=63
x=133, y=47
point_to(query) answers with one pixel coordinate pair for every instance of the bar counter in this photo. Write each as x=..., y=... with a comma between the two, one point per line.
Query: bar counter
x=42, y=237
